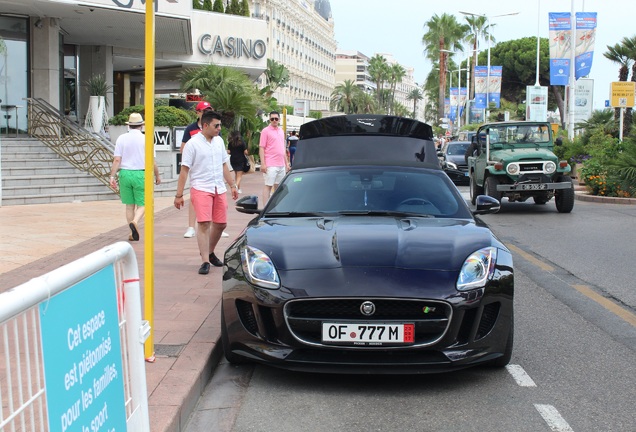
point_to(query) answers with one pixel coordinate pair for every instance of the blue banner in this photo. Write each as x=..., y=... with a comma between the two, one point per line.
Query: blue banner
x=585, y=37
x=485, y=89
x=494, y=86
x=454, y=98
x=481, y=75
x=561, y=41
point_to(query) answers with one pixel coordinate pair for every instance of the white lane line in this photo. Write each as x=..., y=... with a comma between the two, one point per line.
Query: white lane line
x=553, y=418
x=520, y=375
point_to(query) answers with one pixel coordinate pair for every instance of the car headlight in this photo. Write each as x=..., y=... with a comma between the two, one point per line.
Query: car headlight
x=549, y=167
x=451, y=165
x=513, y=169
x=477, y=269
x=259, y=268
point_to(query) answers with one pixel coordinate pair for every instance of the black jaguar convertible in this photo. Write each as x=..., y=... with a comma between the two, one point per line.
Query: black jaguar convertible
x=367, y=260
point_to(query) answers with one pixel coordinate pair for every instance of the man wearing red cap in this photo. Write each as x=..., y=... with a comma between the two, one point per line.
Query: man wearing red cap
x=189, y=132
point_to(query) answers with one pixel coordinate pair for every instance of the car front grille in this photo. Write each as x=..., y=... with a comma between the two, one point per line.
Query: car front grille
x=531, y=167
x=305, y=317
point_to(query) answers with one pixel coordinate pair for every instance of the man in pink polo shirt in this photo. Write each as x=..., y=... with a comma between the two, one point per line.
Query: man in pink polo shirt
x=273, y=154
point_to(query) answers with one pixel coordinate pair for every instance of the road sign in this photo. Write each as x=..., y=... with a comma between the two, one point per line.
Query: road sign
x=622, y=94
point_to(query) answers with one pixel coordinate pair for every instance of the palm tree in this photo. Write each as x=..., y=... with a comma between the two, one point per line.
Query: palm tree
x=276, y=76
x=396, y=74
x=230, y=91
x=444, y=33
x=619, y=54
x=344, y=97
x=479, y=29
x=415, y=95
x=366, y=104
x=379, y=72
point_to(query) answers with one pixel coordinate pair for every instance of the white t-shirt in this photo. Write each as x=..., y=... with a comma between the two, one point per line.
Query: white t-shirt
x=205, y=160
x=131, y=148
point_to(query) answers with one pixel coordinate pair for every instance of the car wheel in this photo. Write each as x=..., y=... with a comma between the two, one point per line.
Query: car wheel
x=225, y=341
x=564, y=198
x=474, y=189
x=541, y=199
x=490, y=188
x=507, y=354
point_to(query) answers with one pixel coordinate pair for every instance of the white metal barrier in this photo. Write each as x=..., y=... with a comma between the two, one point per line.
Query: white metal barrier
x=61, y=367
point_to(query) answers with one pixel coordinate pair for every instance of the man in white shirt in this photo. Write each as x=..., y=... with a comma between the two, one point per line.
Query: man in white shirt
x=204, y=159
x=130, y=162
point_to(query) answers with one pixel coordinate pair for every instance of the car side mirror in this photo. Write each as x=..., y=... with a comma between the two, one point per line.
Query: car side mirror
x=485, y=204
x=247, y=204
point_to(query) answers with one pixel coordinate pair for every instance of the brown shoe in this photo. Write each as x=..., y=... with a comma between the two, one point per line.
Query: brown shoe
x=130, y=237
x=135, y=231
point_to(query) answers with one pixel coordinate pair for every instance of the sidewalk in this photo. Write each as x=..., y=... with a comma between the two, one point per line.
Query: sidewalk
x=36, y=239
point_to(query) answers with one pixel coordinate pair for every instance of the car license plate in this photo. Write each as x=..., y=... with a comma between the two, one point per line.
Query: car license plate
x=368, y=334
x=534, y=186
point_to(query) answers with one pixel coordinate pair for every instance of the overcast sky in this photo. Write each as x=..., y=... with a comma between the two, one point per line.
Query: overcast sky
x=396, y=27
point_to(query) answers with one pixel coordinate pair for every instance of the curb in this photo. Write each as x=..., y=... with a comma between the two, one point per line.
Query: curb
x=584, y=196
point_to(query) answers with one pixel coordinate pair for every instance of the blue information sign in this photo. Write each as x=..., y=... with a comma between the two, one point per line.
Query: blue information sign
x=82, y=357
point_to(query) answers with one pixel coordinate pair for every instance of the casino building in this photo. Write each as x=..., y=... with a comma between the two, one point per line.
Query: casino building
x=49, y=48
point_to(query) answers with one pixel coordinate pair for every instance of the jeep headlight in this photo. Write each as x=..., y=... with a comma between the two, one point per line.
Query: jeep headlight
x=549, y=167
x=451, y=165
x=259, y=268
x=478, y=268
x=513, y=168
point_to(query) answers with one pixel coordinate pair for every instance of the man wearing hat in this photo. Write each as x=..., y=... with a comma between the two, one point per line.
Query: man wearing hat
x=189, y=132
x=130, y=162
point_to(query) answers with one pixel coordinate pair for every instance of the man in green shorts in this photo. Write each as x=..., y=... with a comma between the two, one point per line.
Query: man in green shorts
x=130, y=162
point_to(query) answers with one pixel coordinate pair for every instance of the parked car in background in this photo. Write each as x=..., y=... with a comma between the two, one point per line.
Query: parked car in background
x=453, y=161
x=367, y=259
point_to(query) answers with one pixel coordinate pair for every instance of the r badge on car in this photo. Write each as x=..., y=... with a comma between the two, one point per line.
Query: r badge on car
x=367, y=308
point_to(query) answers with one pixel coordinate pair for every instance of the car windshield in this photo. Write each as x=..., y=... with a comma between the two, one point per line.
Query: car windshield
x=457, y=149
x=367, y=191
x=519, y=134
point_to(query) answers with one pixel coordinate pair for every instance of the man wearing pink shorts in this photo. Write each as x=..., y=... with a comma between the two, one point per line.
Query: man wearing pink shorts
x=204, y=160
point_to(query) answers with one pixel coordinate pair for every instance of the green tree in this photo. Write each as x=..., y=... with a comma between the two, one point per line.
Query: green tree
x=196, y=4
x=415, y=95
x=218, y=6
x=207, y=5
x=396, y=75
x=245, y=8
x=276, y=75
x=444, y=33
x=234, y=8
x=345, y=96
x=231, y=92
x=379, y=72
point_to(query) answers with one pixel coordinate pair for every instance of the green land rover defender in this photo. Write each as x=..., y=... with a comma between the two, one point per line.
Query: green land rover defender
x=516, y=160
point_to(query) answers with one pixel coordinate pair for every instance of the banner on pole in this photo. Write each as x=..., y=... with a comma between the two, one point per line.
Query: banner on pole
x=561, y=41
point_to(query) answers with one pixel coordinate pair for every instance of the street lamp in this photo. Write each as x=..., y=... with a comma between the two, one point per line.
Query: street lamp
x=489, y=37
x=459, y=94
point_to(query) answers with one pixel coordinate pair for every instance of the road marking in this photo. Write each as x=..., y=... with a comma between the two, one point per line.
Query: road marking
x=531, y=258
x=614, y=308
x=553, y=418
x=520, y=375
x=607, y=304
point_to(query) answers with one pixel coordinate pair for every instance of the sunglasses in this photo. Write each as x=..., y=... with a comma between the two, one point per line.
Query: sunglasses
x=273, y=119
x=217, y=126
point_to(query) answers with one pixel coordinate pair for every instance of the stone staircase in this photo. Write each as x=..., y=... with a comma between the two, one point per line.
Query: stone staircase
x=32, y=173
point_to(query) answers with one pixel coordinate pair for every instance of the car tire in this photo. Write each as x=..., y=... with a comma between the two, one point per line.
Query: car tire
x=490, y=188
x=474, y=189
x=502, y=361
x=564, y=198
x=225, y=342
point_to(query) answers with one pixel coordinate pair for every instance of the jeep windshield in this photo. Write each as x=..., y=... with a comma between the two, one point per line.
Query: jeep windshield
x=519, y=134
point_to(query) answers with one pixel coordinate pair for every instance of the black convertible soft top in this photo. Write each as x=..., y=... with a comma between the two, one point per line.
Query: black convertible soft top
x=365, y=139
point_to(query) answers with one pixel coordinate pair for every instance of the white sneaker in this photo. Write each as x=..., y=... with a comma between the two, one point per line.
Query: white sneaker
x=190, y=232
x=224, y=234
x=240, y=191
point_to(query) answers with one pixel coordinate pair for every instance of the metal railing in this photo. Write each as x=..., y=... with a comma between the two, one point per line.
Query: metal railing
x=86, y=151
x=29, y=399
